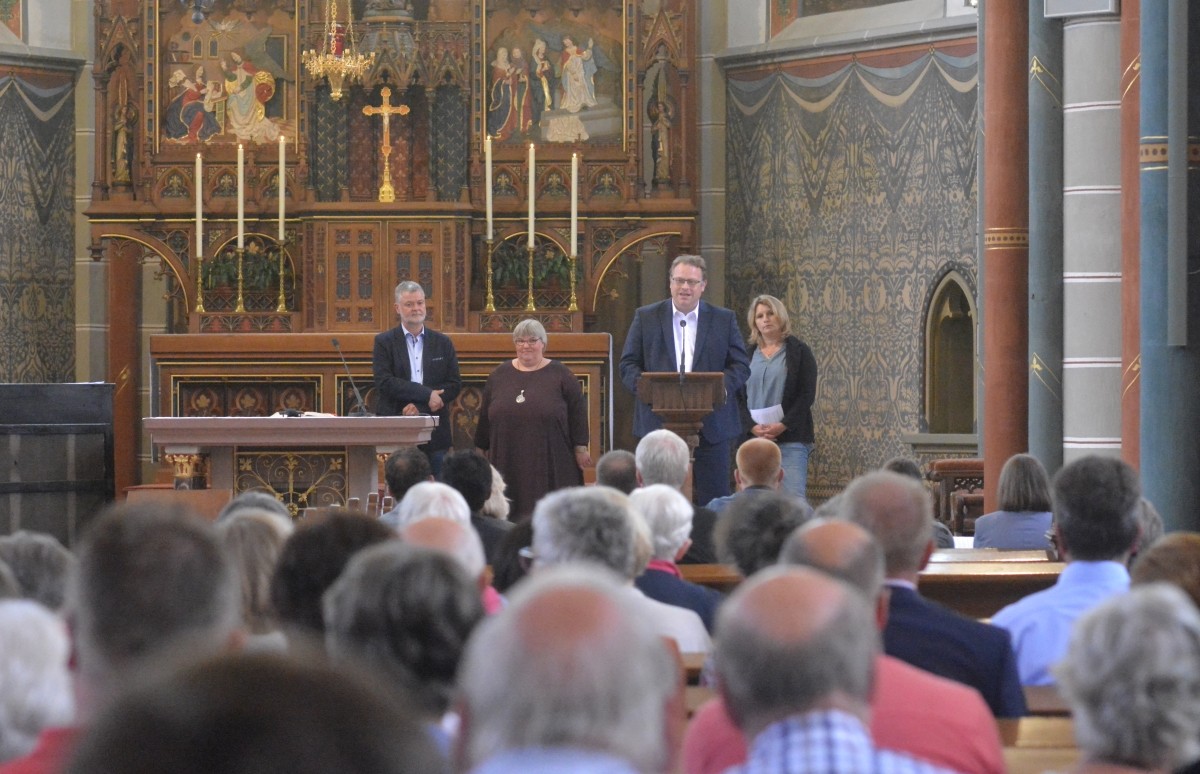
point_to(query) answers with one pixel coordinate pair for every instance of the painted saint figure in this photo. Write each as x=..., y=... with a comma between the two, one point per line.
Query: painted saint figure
x=509, y=109
x=577, y=77
x=190, y=117
x=249, y=90
x=542, y=72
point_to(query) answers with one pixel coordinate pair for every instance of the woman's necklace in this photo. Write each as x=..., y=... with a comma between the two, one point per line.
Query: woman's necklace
x=521, y=397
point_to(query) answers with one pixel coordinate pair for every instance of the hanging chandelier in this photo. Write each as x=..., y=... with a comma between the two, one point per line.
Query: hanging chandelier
x=339, y=59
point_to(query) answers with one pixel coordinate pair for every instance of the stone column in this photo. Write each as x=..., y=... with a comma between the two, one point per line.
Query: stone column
x=1170, y=330
x=1006, y=239
x=1045, y=239
x=1092, y=238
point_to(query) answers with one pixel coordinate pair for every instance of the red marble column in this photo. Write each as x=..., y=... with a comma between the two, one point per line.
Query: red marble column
x=1005, y=239
x=1131, y=219
x=124, y=301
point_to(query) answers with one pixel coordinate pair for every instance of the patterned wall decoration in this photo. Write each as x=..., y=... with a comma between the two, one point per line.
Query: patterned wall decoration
x=851, y=184
x=37, y=227
x=327, y=151
x=449, y=142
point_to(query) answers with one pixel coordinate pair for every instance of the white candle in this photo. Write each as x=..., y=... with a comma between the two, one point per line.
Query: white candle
x=532, y=180
x=487, y=181
x=574, y=203
x=241, y=236
x=282, y=185
x=199, y=207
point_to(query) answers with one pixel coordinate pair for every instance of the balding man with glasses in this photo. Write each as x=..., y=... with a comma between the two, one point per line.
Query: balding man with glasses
x=686, y=334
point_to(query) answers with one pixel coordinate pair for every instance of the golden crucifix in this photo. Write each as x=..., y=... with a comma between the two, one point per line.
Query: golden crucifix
x=385, y=109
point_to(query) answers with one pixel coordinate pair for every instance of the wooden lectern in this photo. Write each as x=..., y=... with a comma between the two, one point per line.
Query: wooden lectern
x=683, y=401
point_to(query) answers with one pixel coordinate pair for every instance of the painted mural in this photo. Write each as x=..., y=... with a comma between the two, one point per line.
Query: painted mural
x=555, y=72
x=227, y=79
x=851, y=191
x=11, y=17
x=784, y=12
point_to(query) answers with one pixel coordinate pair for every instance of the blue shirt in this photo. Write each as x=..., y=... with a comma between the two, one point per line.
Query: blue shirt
x=1013, y=530
x=1040, y=624
x=416, y=349
x=552, y=760
x=829, y=742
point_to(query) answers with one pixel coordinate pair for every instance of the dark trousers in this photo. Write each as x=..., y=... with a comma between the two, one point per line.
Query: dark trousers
x=710, y=472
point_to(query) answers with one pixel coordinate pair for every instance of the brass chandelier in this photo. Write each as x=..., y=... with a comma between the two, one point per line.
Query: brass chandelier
x=339, y=59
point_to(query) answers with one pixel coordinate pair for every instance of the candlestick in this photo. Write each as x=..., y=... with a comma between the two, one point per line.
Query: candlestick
x=574, y=202
x=487, y=182
x=282, y=184
x=199, y=207
x=241, y=214
x=532, y=183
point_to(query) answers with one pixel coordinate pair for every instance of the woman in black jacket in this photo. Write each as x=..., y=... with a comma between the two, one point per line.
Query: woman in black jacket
x=781, y=389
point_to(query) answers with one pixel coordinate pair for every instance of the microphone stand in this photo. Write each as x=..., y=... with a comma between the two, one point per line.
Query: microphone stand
x=360, y=410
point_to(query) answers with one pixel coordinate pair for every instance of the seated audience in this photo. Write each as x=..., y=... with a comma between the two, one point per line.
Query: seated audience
x=942, y=536
x=35, y=687
x=152, y=584
x=799, y=685
x=571, y=677
x=617, y=469
x=257, y=713
x=898, y=511
x=311, y=560
x=1096, y=500
x=430, y=498
x=912, y=711
x=1131, y=675
x=510, y=565
x=1175, y=559
x=470, y=474
x=1023, y=495
x=751, y=533
x=759, y=468
x=662, y=457
x=1150, y=526
x=256, y=500
x=403, y=614
x=40, y=565
x=462, y=544
x=254, y=538
x=594, y=524
x=404, y=469
x=668, y=514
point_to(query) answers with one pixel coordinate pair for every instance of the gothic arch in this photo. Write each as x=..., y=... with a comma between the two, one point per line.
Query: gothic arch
x=951, y=322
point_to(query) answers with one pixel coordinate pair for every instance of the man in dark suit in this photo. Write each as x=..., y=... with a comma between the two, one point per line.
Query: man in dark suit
x=416, y=371
x=898, y=511
x=685, y=333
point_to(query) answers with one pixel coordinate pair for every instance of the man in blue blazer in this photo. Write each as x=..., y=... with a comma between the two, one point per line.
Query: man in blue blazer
x=416, y=371
x=707, y=338
x=898, y=511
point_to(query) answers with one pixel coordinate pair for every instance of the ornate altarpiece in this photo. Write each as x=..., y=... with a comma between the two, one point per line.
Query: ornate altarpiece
x=168, y=88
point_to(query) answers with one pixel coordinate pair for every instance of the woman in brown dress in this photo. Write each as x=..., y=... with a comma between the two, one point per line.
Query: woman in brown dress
x=533, y=422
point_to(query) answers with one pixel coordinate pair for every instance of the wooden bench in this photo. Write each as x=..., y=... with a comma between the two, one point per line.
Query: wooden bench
x=1035, y=745
x=1046, y=701
x=721, y=577
x=945, y=555
x=979, y=589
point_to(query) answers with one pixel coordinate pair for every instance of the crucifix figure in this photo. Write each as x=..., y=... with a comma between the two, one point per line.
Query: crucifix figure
x=385, y=109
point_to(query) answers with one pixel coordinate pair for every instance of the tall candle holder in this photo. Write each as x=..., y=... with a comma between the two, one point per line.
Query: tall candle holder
x=574, y=306
x=490, y=302
x=200, y=284
x=282, y=305
x=529, y=305
x=241, y=264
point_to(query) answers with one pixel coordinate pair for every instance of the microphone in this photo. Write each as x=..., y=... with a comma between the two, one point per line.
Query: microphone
x=361, y=409
x=682, y=347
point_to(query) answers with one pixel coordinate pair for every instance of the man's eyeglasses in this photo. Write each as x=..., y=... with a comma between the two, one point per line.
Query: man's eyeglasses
x=1053, y=553
x=681, y=281
x=526, y=558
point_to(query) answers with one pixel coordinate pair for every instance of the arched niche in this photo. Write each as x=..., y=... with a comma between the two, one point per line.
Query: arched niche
x=949, y=380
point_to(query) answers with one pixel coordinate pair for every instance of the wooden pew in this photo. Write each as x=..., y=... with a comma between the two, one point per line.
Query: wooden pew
x=721, y=577
x=1035, y=745
x=1046, y=701
x=948, y=555
x=979, y=589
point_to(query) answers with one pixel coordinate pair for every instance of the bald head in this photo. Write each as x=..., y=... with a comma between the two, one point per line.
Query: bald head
x=759, y=463
x=570, y=663
x=840, y=548
x=447, y=536
x=821, y=654
x=898, y=511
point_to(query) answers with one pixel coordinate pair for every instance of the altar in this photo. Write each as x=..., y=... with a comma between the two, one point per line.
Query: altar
x=319, y=460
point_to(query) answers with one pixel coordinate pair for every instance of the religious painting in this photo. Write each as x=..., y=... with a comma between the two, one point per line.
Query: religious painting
x=554, y=72
x=11, y=17
x=784, y=12
x=229, y=78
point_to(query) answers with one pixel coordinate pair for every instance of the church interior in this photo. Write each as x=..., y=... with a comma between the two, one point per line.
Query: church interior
x=973, y=214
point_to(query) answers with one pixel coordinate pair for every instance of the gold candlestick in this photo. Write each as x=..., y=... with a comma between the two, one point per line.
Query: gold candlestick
x=200, y=283
x=282, y=305
x=490, y=303
x=241, y=260
x=529, y=305
x=574, y=307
